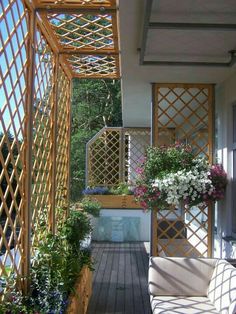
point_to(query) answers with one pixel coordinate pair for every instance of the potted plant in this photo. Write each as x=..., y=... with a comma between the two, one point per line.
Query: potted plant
x=121, y=196
x=171, y=175
x=61, y=278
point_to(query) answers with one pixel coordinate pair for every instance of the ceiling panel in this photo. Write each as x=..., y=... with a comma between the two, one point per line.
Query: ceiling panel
x=190, y=45
x=194, y=10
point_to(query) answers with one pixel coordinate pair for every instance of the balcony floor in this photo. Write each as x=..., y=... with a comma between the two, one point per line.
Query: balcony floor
x=119, y=279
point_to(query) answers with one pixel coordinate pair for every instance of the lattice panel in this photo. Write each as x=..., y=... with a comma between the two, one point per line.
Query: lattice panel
x=76, y=3
x=84, y=31
x=183, y=113
x=42, y=139
x=136, y=142
x=63, y=134
x=183, y=232
x=103, y=159
x=94, y=66
x=13, y=65
x=114, y=154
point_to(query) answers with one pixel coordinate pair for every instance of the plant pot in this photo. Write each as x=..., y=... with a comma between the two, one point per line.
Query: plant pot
x=116, y=201
x=79, y=299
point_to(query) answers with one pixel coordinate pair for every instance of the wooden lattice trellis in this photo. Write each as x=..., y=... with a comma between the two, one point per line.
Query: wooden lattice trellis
x=93, y=66
x=13, y=77
x=42, y=135
x=43, y=45
x=114, y=154
x=183, y=112
x=63, y=145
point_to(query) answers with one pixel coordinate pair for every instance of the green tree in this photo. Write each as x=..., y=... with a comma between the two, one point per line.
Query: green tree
x=96, y=103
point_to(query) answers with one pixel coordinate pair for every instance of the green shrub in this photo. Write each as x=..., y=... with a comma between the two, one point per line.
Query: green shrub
x=56, y=265
x=91, y=206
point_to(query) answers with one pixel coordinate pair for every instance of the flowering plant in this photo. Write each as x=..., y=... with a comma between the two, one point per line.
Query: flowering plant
x=170, y=175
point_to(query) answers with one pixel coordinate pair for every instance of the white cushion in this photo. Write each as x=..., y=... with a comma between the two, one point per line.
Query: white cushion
x=182, y=305
x=180, y=276
x=222, y=287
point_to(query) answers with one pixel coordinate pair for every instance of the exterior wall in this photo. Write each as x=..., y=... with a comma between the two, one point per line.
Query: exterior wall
x=225, y=97
x=137, y=79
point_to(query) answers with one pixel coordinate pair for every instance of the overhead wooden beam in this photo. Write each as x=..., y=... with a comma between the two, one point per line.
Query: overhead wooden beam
x=71, y=10
x=78, y=51
x=74, y=3
x=96, y=76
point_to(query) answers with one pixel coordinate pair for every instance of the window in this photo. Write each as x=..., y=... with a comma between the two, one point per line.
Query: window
x=234, y=172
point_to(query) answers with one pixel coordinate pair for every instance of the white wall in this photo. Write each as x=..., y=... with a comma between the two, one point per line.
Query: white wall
x=225, y=96
x=136, y=79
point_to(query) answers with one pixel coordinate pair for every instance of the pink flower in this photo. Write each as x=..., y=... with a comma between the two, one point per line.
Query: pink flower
x=139, y=170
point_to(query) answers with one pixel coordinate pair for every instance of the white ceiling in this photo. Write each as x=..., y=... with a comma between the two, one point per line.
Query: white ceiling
x=191, y=45
x=171, y=45
x=207, y=11
x=188, y=45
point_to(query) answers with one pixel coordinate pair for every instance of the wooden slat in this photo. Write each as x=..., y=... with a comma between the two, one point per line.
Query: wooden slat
x=75, y=4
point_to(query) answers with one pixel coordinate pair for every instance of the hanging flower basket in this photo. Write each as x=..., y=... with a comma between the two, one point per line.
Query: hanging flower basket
x=172, y=175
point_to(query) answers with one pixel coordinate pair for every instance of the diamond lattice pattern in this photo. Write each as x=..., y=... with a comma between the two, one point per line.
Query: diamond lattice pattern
x=114, y=155
x=42, y=139
x=93, y=66
x=63, y=133
x=13, y=65
x=185, y=110
x=91, y=32
x=183, y=114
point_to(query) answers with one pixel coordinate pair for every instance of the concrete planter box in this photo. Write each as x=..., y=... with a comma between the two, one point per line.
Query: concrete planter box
x=116, y=201
x=79, y=299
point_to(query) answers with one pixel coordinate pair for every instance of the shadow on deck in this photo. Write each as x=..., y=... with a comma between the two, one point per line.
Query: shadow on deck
x=120, y=279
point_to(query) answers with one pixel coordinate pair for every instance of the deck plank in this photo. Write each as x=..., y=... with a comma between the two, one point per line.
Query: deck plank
x=119, y=279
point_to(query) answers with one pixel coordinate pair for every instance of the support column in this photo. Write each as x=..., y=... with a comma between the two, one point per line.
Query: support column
x=52, y=217
x=28, y=140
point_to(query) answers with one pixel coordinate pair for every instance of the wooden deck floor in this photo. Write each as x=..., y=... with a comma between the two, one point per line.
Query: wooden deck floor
x=120, y=279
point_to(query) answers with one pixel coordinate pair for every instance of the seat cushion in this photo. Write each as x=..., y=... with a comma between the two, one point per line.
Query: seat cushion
x=182, y=305
x=222, y=287
x=180, y=276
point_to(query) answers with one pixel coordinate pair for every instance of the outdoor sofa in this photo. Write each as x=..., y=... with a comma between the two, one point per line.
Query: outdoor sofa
x=191, y=285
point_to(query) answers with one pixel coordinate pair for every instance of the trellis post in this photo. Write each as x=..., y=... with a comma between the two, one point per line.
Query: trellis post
x=28, y=139
x=54, y=144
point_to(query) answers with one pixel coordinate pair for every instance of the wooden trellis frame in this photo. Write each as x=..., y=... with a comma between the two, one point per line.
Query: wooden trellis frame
x=37, y=66
x=113, y=155
x=183, y=112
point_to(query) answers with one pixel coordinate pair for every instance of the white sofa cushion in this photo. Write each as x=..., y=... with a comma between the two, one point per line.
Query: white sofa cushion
x=180, y=276
x=222, y=287
x=182, y=305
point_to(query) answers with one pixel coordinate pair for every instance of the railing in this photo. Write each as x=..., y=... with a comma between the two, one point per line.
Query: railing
x=113, y=155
